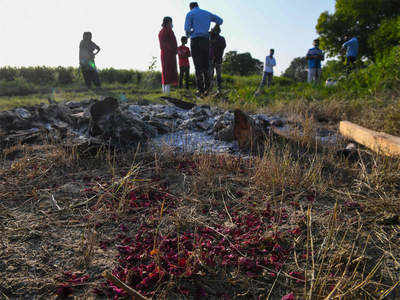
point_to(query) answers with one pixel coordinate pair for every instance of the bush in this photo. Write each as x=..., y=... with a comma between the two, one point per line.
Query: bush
x=18, y=87
x=283, y=81
x=8, y=73
x=378, y=76
x=151, y=80
x=333, y=69
x=65, y=75
x=38, y=75
x=119, y=76
x=386, y=37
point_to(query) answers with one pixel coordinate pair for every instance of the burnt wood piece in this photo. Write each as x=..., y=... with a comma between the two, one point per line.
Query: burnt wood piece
x=178, y=103
x=245, y=130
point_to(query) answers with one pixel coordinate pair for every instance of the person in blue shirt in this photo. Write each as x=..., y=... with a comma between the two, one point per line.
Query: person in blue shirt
x=314, y=58
x=197, y=26
x=351, y=47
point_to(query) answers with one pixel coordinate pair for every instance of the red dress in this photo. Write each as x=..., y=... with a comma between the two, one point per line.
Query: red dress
x=169, y=49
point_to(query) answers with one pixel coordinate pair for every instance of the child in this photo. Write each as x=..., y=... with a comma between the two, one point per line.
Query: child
x=184, y=65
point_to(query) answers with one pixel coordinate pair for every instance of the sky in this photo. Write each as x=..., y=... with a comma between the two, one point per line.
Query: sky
x=48, y=32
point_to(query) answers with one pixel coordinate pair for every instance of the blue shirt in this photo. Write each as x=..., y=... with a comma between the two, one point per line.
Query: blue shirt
x=352, y=47
x=198, y=22
x=314, y=63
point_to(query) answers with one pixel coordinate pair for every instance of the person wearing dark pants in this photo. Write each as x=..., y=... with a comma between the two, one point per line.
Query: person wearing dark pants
x=351, y=47
x=267, y=79
x=87, y=51
x=184, y=72
x=217, y=48
x=90, y=75
x=197, y=25
x=200, y=52
x=184, y=65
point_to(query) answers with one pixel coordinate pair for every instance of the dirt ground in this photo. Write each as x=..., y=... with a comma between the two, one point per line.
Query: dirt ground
x=295, y=223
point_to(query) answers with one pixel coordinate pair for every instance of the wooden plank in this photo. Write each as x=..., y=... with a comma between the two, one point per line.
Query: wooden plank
x=379, y=142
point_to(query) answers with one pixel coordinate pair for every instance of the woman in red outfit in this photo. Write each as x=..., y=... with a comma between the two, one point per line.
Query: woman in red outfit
x=169, y=50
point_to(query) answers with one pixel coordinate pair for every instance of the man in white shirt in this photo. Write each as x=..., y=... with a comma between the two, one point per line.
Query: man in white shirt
x=268, y=73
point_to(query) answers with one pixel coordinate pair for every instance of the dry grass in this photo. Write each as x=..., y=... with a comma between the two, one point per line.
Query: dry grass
x=295, y=220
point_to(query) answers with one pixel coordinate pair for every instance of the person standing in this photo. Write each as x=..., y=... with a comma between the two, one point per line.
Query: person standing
x=87, y=51
x=217, y=48
x=351, y=47
x=184, y=65
x=268, y=73
x=314, y=58
x=169, y=50
x=197, y=25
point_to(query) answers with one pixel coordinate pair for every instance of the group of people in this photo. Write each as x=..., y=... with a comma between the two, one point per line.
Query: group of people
x=207, y=50
x=315, y=56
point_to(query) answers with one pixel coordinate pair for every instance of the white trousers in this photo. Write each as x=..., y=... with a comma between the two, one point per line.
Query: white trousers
x=166, y=88
x=314, y=74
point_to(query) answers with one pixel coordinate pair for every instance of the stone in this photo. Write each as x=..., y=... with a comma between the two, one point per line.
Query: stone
x=143, y=102
x=22, y=113
x=161, y=127
x=277, y=122
x=205, y=125
x=226, y=134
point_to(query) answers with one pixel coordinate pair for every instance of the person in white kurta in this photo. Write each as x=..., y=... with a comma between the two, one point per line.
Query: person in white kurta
x=268, y=73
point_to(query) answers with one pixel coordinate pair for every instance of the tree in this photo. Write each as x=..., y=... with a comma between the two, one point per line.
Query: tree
x=360, y=18
x=386, y=37
x=240, y=64
x=297, y=69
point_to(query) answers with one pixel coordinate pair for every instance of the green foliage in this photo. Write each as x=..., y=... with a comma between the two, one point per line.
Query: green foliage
x=378, y=76
x=118, y=76
x=333, y=69
x=242, y=64
x=8, y=73
x=151, y=80
x=153, y=63
x=17, y=87
x=297, y=70
x=38, y=75
x=65, y=75
x=386, y=37
x=360, y=18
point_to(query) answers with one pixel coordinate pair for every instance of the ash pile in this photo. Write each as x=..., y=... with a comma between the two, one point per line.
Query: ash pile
x=112, y=123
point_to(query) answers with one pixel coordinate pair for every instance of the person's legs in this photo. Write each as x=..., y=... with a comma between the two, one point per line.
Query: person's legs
x=86, y=77
x=263, y=80
x=350, y=60
x=167, y=89
x=318, y=75
x=96, y=78
x=270, y=78
x=311, y=75
x=181, y=73
x=205, y=62
x=211, y=73
x=187, y=76
x=218, y=69
x=196, y=55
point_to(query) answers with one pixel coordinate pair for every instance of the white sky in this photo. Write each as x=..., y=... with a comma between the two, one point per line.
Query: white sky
x=48, y=32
